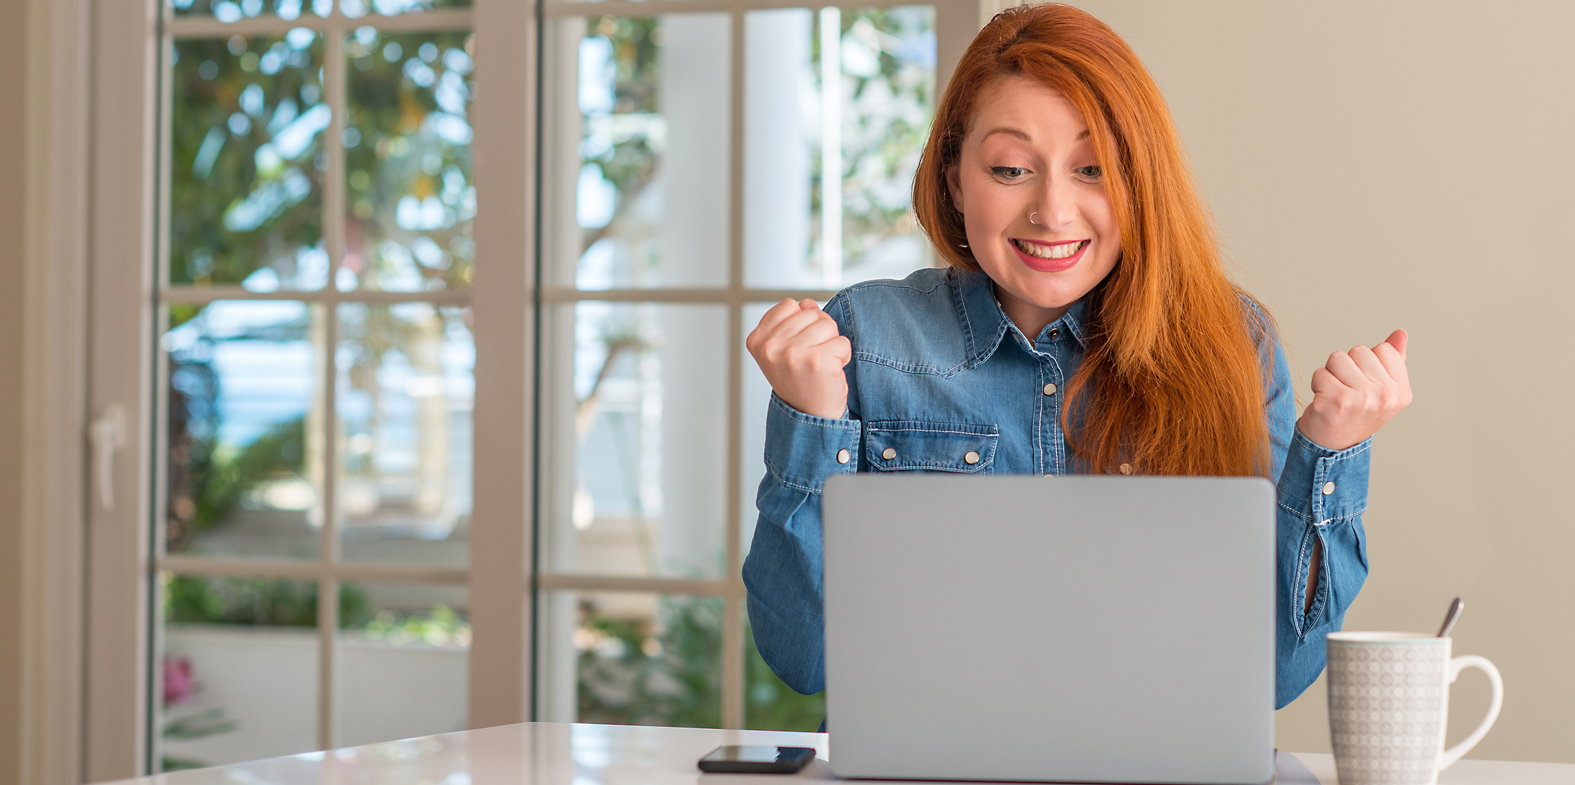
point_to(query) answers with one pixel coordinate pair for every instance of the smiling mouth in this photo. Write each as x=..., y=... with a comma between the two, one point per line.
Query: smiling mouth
x=1048, y=251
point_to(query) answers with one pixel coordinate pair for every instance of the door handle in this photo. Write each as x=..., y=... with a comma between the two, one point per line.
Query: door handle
x=108, y=435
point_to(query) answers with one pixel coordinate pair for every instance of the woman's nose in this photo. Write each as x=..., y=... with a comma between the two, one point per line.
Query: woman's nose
x=1056, y=209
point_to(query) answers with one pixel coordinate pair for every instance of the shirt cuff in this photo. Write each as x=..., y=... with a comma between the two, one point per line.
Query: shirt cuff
x=802, y=450
x=1325, y=486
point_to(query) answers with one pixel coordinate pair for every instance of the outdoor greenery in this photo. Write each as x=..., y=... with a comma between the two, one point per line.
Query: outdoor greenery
x=247, y=161
x=190, y=599
x=888, y=72
x=407, y=140
x=667, y=671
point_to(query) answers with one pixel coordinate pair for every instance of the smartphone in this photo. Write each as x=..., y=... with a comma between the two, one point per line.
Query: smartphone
x=738, y=759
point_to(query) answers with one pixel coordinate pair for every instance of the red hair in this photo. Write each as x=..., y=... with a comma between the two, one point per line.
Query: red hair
x=1172, y=381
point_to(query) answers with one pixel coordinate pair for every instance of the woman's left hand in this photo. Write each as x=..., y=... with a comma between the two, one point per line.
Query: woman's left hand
x=1355, y=393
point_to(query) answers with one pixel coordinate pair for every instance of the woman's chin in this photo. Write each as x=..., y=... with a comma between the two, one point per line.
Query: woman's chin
x=1044, y=295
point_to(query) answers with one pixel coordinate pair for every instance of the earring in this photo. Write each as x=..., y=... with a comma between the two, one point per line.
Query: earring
x=962, y=245
x=1031, y=219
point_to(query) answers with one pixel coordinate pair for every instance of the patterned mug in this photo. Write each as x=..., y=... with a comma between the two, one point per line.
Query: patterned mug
x=1389, y=706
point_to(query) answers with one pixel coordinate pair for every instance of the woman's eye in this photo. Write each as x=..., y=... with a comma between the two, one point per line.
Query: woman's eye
x=1091, y=172
x=1008, y=172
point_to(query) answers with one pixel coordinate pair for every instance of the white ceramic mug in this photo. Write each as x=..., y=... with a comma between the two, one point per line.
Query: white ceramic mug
x=1389, y=706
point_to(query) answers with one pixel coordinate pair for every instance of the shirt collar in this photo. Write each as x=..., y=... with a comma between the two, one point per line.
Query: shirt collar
x=985, y=324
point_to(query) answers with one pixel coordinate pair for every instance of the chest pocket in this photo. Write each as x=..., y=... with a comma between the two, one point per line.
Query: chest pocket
x=917, y=446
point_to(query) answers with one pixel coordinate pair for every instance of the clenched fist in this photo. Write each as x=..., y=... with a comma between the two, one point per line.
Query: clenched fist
x=1355, y=393
x=802, y=354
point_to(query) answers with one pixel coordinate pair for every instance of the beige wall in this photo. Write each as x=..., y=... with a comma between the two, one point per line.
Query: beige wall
x=42, y=181
x=1412, y=164
x=13, y=134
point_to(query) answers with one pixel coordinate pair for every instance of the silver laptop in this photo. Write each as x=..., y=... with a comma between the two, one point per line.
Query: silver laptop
x=1064, y=629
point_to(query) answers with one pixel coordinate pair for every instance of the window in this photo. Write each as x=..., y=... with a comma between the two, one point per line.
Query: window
x=699, y=166
x=316, y=367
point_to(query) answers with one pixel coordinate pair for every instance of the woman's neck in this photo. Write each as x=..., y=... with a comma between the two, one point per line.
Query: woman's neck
x=1030, y=319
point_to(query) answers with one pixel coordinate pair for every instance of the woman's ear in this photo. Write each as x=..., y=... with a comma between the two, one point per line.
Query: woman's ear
x=954, y=187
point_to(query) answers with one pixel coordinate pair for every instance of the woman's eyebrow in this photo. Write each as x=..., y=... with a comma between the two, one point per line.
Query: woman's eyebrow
x=1023, y=135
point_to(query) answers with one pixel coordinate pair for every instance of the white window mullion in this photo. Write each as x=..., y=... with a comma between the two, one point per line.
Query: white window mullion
x=501, y=672
x=334, y=87
x=732, y=609
x=425, y=22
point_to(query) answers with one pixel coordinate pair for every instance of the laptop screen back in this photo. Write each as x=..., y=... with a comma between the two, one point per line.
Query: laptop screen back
x=1071, y=628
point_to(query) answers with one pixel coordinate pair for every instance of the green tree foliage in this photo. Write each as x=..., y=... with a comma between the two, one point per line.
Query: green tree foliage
x=667, y=671
x=190, y=599
x=246, y=157
x=407, y=154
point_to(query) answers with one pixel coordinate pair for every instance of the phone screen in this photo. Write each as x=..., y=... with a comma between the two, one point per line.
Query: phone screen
x=758, y=753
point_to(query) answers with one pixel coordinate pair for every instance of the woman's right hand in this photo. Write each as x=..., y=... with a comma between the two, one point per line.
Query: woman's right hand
x=802, y=353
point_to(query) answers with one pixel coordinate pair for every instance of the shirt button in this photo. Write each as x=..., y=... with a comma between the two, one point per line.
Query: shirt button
x=842, y=456
x=1328, y=488
x=971, y=458
x=1049, y=389
x=890, y=453
x=1055, y=332
x=1126, y=468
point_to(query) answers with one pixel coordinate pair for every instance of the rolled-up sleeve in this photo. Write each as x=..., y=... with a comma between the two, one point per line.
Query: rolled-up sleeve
x=1322, y=494
x=783, y=570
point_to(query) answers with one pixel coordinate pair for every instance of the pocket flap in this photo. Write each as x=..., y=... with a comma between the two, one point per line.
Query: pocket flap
x=911, y=445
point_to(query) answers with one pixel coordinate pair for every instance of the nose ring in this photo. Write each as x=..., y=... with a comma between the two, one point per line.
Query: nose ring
x=1031, y=219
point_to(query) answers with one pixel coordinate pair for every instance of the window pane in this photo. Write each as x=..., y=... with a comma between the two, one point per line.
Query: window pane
x=246, y=162
x=410, y=200
x=638, y=164
x=401, y=661
x=236, y=10
x=405, y=387
x=884, y=67
x=245, y=460
x=771, y=705
x=239, y=670
x=635, y=414
x=633, y=659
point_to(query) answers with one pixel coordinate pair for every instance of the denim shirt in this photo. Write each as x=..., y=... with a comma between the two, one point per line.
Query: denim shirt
x=941, y=373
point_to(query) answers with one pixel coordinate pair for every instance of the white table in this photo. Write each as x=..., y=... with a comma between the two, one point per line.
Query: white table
x=546, y=753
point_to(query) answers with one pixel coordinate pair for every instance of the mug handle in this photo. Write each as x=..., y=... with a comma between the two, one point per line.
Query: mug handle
x=1448, y=757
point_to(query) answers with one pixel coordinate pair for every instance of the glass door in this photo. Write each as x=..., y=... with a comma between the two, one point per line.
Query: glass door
x=315, y=376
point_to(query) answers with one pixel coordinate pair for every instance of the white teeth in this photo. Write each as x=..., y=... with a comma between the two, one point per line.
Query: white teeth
x=1061, y=251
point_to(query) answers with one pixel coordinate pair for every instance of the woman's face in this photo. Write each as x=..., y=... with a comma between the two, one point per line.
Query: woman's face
x=1028, y=153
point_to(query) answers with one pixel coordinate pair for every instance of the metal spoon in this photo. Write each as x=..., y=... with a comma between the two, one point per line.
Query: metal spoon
x=1449, y=618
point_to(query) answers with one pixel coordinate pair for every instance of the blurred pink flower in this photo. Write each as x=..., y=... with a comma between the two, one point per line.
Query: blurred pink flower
x=179, y=687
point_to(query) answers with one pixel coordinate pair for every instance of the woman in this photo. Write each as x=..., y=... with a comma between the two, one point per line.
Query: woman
x=1085, y=316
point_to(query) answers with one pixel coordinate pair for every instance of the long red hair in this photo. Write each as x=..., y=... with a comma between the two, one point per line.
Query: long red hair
x=1172, y=381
